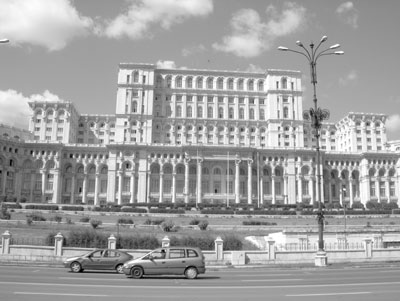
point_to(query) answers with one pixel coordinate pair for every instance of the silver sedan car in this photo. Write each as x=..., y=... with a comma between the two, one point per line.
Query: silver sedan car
x=100, y=259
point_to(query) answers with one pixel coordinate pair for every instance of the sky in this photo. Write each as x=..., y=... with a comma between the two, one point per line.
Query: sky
x=70, y=50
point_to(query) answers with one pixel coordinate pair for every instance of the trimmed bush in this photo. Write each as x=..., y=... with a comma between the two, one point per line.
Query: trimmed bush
x=257, y=223
x=56, y=218
x=36, y=217
x=217, y=211
x=138, y=242
x=170, y=211
x=125, y=221
x=84, y=219
x=135, y=210
x=12, y=206
x=95, y=223
x=167, y=226
x=72, y=208
x=4, y=214
x=87, y=238
x=150, y=221
x=41, y=207
x=194, y=222
x=203, y=225
x=232, y=243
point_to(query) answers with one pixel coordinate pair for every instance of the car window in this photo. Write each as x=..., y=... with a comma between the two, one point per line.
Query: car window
x=158, y=254
x=176, y=253
x=97, y=254
x=109, y=253
x=192, y=253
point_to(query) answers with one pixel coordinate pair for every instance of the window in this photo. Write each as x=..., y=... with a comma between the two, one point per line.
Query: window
x=260, y=85
x=230, y=84
x=210, y=83
x=250, y=85
x=220, y=83
x=189, y=82
x=220, y=112
x=176, y=253
x=199, y=112
x=199, y=84
x=284, y=83
x=210, y=112
x=241, y=113
x=179, y=82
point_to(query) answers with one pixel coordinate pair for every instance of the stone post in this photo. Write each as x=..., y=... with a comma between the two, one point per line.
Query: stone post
x=219, y=248
x=271, y=249
x=112, y=242
x=5, y=242
x=58, y=244
x=368, y=247
x=165, y=242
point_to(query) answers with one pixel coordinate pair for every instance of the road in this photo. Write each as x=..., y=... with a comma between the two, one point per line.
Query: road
x=341, y=283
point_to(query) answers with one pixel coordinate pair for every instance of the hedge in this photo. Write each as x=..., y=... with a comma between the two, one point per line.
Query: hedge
x=12, y=205
x=135, y=210
x=72, y=208
x=41, y=207
x=171, y=211
x=217, y=211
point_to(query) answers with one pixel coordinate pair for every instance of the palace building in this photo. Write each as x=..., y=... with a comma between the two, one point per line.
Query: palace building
x=197, y=136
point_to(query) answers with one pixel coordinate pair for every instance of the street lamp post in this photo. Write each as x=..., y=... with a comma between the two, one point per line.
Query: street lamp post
x=316, y=116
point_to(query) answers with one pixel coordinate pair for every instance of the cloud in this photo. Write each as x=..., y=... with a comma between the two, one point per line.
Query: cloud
x=251, y=36
x=193, y=50
x=348, y=14
x=166, y=64
x=142, y=15
x=393, y=123
x=47, y=23
x=352, y=76
x=14, y=108
x=255, y=68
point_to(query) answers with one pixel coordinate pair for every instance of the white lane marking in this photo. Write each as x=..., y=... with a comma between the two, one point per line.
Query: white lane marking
x=92, y=279
x=133, y=286
x=59, y=294
x=269, y=280
x=331, y=294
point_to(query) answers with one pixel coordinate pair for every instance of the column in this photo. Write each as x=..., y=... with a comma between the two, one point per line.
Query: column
x=32, y=187
x=119, y=187
x=262, y=190
x=132, y=188
x=199, y=176
x=387, y=190
x=249, y=182
x=300, y=188
x=237, y=181
x=351, y=182
x=161, y=189
x=273, y=189
x=311, y=189
x=285, y=189
x=174, y=185
x=56, y=187
x=377, y=191
x=73, y=180
x=341, y=192
x=186, y=188
x=96, y=189
x=43, y=172
x=84, y=189
x=330, y=192
x=3, y=189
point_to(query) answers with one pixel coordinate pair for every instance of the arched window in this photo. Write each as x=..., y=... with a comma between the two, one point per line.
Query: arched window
x=230, y=84
x=284, y=83
x=252, y=114
x=241, y=113
x=285, y=112
x=210, y=112
x=220, y=112
x=134, y=107
x=178, y=82
x=169, y=81
x=240, y=84
x=217, y=171
x=250, y=85
x=189, y=82
x=260, y=85
x=199, y=112
x=178, y=111
x=199, y=84
x=210, y=83
x=189, y=112
x=159, y=82
x=135, y=76
x=231, y=113
x=220, y=83
x=262, y=114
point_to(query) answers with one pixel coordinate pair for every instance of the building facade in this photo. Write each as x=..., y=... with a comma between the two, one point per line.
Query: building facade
x=198, y=136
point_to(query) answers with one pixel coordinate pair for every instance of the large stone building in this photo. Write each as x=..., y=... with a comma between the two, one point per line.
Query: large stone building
x=196, y=136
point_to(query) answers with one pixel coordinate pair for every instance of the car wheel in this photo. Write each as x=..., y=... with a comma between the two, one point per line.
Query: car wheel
x=120, y=269
x=191, y=273
x=137, y=272
x=76, y=267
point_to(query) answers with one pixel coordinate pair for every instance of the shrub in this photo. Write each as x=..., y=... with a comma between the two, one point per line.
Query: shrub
x=357, y=205
x=138, y=242
x=87, y=238
x=72, y=208
x=203, y=225
x=125, y=221
x=167, y=226
x=36, y=217
x=69, y=221
x=202, y=242
x=232, y=243
x=95, y=223
x=84, y=219
x=12, y=206
x=257, y=223
x=150, y=221
x=4, y=214
x=136, y=210
x=29, y=221
x=194, y=222
x=41, y=207
x=57, y=218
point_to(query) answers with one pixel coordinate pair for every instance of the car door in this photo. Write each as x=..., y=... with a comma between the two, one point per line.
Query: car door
x=176, y=262
x=155, y=262
x=93, y=261
x=108, y=260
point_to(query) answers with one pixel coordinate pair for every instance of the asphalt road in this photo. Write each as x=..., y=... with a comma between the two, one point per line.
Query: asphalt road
x=332, y=283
